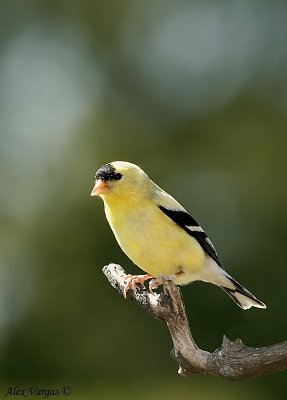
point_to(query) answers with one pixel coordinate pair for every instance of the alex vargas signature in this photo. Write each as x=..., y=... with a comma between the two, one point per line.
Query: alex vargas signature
x=37, y=391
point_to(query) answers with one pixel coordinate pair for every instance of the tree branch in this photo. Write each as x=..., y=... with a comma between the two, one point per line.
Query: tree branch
x=233, y=360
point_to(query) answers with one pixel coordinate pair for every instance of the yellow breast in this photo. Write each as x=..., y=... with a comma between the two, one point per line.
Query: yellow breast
x=152, y=240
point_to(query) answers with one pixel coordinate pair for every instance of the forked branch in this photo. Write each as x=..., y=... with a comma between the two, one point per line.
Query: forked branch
x=233, y=360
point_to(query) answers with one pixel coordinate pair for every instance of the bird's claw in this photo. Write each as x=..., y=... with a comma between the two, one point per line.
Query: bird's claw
x=155, y=283
x=132, y=280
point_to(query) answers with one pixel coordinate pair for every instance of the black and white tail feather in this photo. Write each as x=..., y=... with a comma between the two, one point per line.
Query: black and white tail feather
x=239, y=294
x=242, y=297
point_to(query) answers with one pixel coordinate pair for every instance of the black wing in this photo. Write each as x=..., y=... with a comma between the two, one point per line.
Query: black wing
x=186, y=222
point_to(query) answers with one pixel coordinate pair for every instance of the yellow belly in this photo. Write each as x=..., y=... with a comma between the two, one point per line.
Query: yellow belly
x=154, y=242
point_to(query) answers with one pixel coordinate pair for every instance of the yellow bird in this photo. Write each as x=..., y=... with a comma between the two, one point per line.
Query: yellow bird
x=159, y=235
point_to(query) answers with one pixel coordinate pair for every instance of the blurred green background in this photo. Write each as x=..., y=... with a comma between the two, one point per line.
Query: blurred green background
x=196, y=93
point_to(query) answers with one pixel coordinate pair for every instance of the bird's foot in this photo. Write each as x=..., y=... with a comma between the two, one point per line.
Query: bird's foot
x=156, y=282
x=132, y=280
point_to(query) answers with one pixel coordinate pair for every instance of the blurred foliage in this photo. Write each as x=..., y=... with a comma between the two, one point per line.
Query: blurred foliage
x=195, y=93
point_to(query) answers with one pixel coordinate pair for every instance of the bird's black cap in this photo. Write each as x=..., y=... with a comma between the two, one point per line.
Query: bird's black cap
x=108, y=173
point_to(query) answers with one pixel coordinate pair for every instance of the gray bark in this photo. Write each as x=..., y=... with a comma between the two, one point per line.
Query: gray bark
x=233, y=360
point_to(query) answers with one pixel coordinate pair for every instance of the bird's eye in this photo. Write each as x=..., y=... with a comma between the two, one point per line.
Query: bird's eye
x=118, y=176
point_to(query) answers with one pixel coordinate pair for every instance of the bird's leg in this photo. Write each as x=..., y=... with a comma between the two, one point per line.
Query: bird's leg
x=156, y=282
x=132, y=280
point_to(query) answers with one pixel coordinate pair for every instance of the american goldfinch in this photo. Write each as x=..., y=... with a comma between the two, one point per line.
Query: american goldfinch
x=159, y=235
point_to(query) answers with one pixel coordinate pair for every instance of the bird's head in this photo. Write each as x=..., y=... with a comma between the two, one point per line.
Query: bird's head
x=120, y=179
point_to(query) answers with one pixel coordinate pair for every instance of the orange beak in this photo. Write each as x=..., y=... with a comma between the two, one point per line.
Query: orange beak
x=101, y=187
